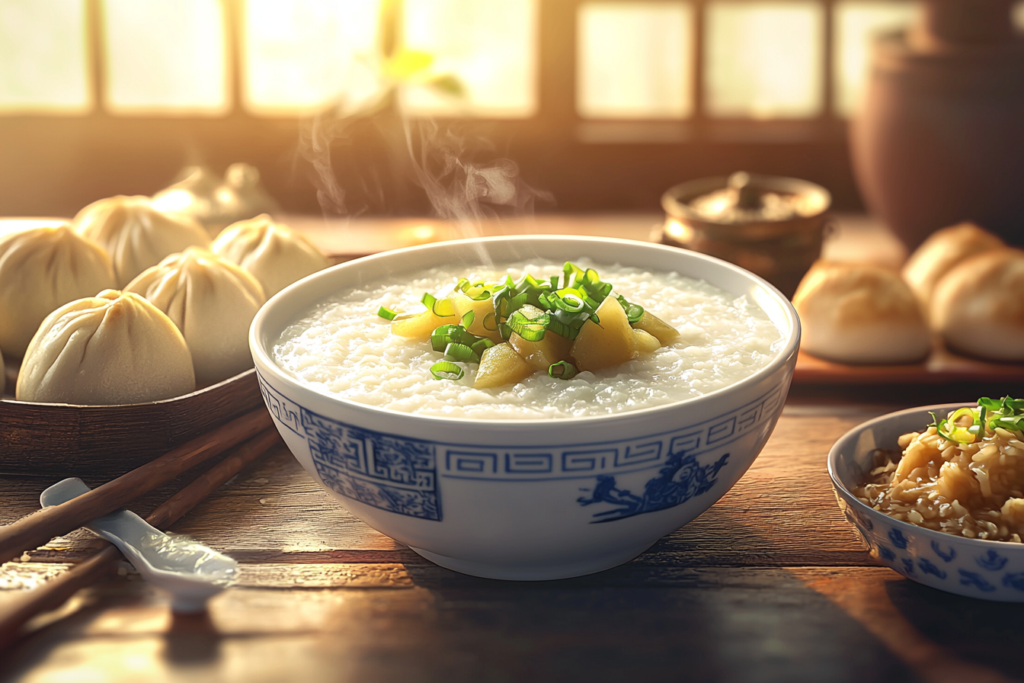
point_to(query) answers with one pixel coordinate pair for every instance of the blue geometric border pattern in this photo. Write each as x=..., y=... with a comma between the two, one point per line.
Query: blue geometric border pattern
x=394, y=474
x=611, y=457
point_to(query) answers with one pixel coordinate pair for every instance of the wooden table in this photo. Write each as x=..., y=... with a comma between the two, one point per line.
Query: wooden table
x=770, y=584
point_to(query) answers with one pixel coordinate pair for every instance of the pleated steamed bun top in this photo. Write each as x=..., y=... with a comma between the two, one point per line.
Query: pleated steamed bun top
x=42, y=269
x=110, y=349
x=137, y=235
x=212, y=302
x=274, y=253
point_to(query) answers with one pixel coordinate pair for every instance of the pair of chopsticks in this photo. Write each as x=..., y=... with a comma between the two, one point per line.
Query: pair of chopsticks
x=255, y=428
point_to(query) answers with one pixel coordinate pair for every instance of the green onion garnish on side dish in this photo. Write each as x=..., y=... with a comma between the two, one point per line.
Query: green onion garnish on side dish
x=562, y=370
x=446, y=370
x=1007, y=413
x=387, y=313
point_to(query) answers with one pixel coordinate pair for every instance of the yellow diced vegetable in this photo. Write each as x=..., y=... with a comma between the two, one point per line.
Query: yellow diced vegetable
x=645, y=342
x=501, y=365
x=607, y=344
x=541, y=354
x=483, y=315
x=420, y=325
x=655, y=326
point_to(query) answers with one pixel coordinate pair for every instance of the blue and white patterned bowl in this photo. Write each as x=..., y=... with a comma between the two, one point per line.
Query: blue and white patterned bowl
x=992, y=570
x=527, y=499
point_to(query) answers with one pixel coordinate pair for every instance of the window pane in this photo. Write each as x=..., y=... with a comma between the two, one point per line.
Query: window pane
x=300, y=55
x=764, y=60
x=490, y=46
x=43, y=57
x=634, y=60
x=856, y=24
x=165, y=56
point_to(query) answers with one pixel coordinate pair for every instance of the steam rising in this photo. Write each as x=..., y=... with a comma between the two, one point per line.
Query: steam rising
x=458, y=172
x=459, y=189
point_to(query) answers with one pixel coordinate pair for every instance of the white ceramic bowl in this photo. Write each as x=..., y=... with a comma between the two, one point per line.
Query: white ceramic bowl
x=506, y=498
x=991, y=570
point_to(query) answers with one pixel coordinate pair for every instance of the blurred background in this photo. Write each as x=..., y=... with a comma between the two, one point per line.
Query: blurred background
x=602, y=104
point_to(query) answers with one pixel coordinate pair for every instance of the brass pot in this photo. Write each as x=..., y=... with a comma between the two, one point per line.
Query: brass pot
x=778, y=248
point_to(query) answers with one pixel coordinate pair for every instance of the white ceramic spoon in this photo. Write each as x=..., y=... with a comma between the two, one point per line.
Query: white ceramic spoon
x=190, y=571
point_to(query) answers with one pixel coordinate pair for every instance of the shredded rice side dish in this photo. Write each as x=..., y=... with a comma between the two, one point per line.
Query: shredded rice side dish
x=963, y=475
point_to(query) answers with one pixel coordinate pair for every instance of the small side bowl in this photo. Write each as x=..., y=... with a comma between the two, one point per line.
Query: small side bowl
x=990, y=570
x=526, y=499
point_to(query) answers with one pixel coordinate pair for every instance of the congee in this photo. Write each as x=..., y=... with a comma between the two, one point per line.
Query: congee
x=529, y=340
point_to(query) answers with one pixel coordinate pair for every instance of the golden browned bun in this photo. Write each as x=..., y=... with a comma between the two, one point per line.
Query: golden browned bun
x=274, y=253
x=212, y=302
x=940, y=252
x=109, y=349
x=41, y=269
x=978, y=307
x=137, y=235
x=853, y=313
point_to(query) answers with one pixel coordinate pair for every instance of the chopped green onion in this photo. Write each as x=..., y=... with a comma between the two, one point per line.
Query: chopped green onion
x=562, y=370
x=386, y=313
x=467, y=319
x=633, y=311
x=460, y=352
x=447, y=370
x=529, y=328
x=442, y=308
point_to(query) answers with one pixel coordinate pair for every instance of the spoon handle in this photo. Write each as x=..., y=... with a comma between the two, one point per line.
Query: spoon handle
x=103, y=564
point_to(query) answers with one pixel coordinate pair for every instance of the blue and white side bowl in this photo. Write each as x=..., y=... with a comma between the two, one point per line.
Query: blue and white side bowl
x=976, y=568
x=527, y=499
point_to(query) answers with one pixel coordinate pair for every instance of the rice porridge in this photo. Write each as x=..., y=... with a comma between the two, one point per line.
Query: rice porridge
x=343, y=347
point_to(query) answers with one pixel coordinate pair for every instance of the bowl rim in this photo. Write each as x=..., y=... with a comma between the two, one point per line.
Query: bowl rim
x=905, y=527
x=775, y=364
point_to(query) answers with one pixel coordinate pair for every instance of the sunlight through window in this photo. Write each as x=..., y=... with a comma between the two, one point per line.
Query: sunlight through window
x=43, y=66
x=856, y=25
x=301, y=55
x=491, y=47
x=764, y=60
x=165, y=57
x=634, y=60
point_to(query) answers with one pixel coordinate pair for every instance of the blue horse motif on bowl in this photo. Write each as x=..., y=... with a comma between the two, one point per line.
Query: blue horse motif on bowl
x=680, y=479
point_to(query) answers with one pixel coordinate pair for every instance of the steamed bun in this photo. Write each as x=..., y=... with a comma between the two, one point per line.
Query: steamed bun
x=939, y=253
x=275, y=254
x=212, y=302
x=42, y=269
x=137, y=235
x=109, y=349
x=978, y=307
x=854, y=313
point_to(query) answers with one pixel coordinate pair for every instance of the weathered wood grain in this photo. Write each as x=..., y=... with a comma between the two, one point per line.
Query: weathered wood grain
x=814, y=624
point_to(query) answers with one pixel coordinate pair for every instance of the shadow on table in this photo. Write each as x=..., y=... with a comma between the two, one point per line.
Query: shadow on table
x=649, y=623
x=979, y=631
x=192, y=639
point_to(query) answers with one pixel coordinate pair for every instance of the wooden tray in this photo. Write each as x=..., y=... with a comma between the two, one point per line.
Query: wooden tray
x=941, y=367
x=70, y=440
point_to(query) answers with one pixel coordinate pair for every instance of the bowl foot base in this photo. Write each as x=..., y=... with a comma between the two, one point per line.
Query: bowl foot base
x=533, y=572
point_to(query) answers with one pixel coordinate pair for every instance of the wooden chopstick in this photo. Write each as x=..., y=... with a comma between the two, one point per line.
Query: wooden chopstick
x=56, y=591
x=38, y=528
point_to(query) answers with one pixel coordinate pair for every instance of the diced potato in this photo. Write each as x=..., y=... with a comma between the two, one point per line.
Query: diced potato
x=646, y=343
x=421, y=325
x=501, y=365
x=483, y=312
x=606, y=345
x=541, y=354
x=656, y=327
